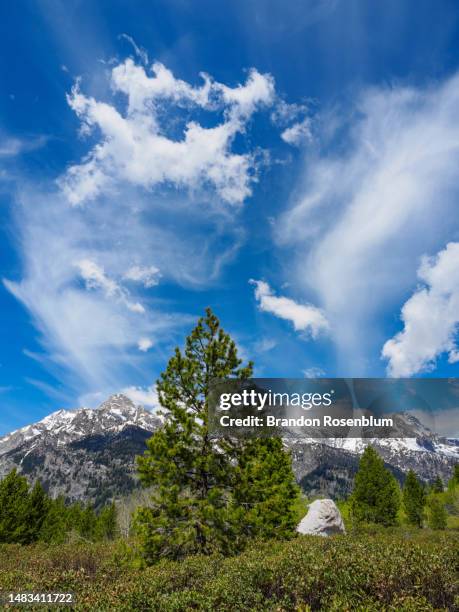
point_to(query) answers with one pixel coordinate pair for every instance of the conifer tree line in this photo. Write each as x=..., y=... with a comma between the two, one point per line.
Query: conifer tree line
x=29, y=515
x=377, y=497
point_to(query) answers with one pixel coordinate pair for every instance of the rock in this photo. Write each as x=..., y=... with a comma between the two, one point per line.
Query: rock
x=323, y=518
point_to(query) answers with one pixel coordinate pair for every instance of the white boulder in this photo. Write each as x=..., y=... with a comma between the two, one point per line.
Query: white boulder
x=323, y=519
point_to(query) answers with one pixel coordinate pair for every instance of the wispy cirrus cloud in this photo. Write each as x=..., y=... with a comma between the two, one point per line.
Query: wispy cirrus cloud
x=378, y=189
x=96, y=278
x=139, y=51
x=12, y=146
x=89, y=323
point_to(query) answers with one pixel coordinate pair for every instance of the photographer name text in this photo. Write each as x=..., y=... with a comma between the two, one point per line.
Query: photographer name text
x=302, y=421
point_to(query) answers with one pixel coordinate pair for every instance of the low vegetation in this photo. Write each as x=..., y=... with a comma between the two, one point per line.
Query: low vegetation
x=376, y=569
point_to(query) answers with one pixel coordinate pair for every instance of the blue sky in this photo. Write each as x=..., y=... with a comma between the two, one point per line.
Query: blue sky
x=292, y=165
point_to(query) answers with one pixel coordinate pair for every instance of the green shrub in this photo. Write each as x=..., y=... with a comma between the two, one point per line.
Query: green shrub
x=392, y=570
x=437, y=516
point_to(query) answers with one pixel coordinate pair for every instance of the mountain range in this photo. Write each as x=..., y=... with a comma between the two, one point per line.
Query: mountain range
x=89, y=454
x=85, y=453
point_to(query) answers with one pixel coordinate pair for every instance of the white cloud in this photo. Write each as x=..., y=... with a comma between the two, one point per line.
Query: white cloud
x=95, y=278
x=134, y=146
x=146, y=396
x=363, y=212
x=304, y=317
x=313, y=372
x=143, y=90
x=264, y=345
x=85, y=270
x=88, y=316
x=298, y=133
x=12, y=147
x=144, y=344
x=294, y=120
x=147, y=275
x=139, y=51
x=258, y=90
x=284, y=113
x=88, y=323
x=135, y=307
x=430, y=317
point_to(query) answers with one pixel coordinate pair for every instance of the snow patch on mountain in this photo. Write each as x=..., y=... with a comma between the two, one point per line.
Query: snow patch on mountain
x=64, y=426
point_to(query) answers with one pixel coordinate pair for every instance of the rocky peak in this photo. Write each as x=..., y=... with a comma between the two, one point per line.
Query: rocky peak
x=64, y=426
x=118, y=401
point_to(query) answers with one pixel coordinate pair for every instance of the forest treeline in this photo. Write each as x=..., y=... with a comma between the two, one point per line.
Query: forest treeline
x=28, y=514
x=377, y=497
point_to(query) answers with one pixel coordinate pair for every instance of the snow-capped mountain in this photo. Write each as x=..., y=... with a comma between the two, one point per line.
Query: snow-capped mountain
x=90, y=454
x=328, y=465
x=412, y=437
x=64, y=426
x=82, y=453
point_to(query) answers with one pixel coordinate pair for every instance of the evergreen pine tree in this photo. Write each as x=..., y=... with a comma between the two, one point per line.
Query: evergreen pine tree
x=414, y=499
x=376, y=495
x=75, y=513
x=265, y=490
x=88, y=522
x=56, y=525
x=453, y=482
x=437, y=515
x=438, y=486
x=14, y=508
x=194, y=507
x=39, y=504
x=106, y=523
